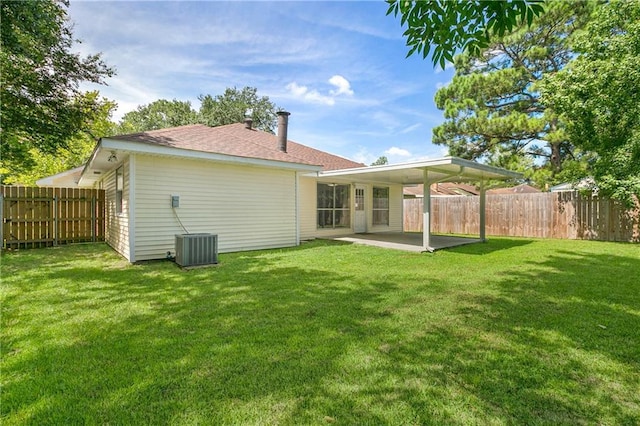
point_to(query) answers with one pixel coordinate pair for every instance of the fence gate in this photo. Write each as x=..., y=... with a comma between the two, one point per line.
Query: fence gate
x=42, y=217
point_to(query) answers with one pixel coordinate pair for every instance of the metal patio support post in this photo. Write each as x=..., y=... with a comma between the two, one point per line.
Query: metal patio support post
x=483, y=213
x=426, y=212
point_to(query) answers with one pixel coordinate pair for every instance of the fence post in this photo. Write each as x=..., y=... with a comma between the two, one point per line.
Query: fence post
x=93, y=218
x=2, y=223
x=483, y=212
x=55, y=220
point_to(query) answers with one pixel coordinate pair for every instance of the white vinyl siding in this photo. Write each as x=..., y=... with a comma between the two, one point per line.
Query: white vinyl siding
x=248, y=207
x=117, y=223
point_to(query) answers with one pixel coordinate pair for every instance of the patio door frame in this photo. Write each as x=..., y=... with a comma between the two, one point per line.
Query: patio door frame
x=360, y=209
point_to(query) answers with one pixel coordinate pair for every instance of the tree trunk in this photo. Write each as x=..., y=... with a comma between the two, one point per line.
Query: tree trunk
x=556, y=160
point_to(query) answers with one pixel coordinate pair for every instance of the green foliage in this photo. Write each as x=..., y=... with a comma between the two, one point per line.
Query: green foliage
x=598, y=96
x=492, y=107
x=380, y=161
x=36, y=163
x=159, y=114
x=452, y=26
x=232, y=106
x=228, y=108
x=42, y=107
x=511, y=332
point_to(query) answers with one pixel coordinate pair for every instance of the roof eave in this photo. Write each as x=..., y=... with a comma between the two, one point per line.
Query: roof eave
x=116, y=145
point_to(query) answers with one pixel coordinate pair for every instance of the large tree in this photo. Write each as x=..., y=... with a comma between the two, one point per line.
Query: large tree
x=159, y=114
x=234, y=104
x=230, y=107
x=598, y=97
x=42, y=105
x=492, y=106
x=452, y=26
x=77, y=149
x=382, y=160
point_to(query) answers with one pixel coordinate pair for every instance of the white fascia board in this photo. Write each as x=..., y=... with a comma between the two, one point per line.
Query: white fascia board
x=496, y=172
x=388, y=167
x=48, y=180
x=88, y=164
x=187, y=153
x=485, y=168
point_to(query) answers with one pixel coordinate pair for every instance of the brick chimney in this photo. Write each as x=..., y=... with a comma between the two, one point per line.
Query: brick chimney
x=248, y=122
x=283, y=123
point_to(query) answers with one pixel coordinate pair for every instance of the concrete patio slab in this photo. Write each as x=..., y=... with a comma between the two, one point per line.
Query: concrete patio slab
x=406, y=241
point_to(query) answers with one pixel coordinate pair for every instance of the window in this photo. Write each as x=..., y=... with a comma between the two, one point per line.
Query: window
x=333, y=206
x=119, y=186
x=359, y=199
x=380, y=206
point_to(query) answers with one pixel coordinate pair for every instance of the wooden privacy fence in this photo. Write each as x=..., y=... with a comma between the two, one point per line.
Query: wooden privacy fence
x=41, y=217
x=566, y=215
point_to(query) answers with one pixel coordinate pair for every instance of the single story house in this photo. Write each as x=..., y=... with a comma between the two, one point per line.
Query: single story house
x=254, y=189
x=582, y=185
x=441, y=189
x=449, y=189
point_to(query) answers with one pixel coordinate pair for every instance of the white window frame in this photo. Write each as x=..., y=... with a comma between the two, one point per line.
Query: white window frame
x=345, y=210
x=377, y=208
x=119, y=177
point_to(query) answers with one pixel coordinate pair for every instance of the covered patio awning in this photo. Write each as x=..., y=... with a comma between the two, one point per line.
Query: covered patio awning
x=446, y=169
x=428, y=172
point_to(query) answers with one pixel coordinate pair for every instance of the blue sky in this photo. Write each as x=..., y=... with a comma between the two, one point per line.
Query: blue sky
x=338, y=67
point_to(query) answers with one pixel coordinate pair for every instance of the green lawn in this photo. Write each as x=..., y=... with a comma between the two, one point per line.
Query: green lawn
x=513, y=331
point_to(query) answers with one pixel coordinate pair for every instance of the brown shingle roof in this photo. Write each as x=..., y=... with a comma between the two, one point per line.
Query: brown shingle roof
x=236, y=140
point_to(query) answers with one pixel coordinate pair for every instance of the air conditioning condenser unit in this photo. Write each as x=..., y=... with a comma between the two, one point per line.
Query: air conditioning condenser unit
x=196, y=249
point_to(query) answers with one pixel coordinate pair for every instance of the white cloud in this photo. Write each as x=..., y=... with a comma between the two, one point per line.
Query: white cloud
x=313, y=96
x=385, y=119
x=298, y=91
x=364, y=156
x=399, y=152
x=410, y=128
x=342, y=86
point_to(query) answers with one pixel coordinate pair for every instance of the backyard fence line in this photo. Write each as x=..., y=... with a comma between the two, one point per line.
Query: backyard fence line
x=42, y=217
x=564, y=215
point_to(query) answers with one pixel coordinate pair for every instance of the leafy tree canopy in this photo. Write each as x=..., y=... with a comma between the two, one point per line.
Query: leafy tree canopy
x=228, y=108
x=232, y=106
x=159, y=114
x=450, y=26
x=380, y=161
x=42, y=106
x=598, y=96
x=37, y=163
x=492, y=107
